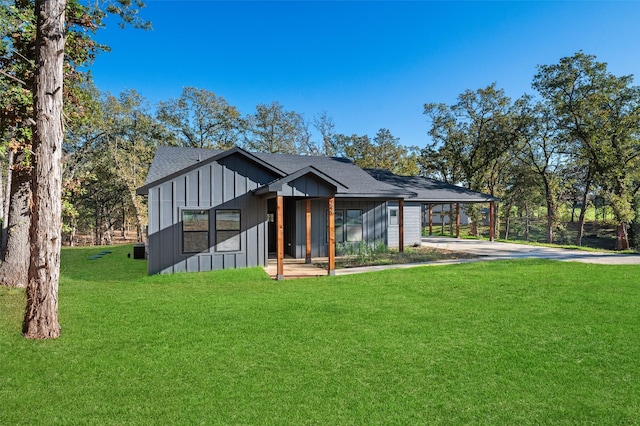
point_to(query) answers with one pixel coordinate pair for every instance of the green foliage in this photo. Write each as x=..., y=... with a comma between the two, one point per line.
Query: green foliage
x=485, y=343
x=471, y=140
x=383, y=152
x=273, y=129
x=200, y=119
x=108, y=159
x=600, y=112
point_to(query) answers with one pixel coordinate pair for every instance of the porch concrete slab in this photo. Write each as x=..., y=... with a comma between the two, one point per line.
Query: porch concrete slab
x=488, y=250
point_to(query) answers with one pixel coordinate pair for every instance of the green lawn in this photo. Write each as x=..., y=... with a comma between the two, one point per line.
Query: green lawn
x=528, y=342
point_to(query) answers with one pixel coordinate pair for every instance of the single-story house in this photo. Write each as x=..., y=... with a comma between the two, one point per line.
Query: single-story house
x=224, y=209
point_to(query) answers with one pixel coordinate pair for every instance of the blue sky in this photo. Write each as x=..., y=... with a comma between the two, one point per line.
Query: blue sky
x=370, y=65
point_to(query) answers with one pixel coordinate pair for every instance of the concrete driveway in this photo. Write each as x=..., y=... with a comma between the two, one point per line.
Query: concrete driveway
x=495, y=251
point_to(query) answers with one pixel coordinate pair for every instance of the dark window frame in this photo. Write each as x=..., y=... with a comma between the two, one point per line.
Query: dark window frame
x=200, y=230
x=348, y=225
x=228, y=234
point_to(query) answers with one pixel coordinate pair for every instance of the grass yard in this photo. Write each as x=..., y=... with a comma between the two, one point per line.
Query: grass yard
x=522, y=342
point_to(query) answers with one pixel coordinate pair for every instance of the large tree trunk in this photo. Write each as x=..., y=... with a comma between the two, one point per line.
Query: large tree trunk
x=527, y=225
x=137, y=206
x=15, y=263
x=583, y=209
x=6, y=204
x=507, y=221
x=622, y=242
x=41, y=315
x=551, y=210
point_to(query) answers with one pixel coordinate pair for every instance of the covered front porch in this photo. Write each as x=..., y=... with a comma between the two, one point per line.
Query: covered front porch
x=304, y=222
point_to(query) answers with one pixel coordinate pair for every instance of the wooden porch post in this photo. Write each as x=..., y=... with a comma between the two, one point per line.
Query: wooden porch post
x=331, y=265
x=430, y=219
x=308, y=220
x=280, y=237
x=401, y=225
x=457, y=220
x=492, y=220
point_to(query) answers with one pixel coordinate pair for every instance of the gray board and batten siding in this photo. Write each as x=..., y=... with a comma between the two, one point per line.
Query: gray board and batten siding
x=223, y=184
x=373, y=226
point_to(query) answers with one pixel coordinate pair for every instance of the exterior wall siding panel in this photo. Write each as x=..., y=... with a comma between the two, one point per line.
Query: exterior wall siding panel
x=412, y=223
x=224, y=185
x=373, y=229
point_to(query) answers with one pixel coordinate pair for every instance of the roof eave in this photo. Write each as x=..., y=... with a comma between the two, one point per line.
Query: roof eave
x=144, y=190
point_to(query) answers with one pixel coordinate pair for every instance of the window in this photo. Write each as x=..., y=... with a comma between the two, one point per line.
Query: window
x=227, y=230
x=353, y=225
x=338, y=225
x=195, y=231
x=393, y=216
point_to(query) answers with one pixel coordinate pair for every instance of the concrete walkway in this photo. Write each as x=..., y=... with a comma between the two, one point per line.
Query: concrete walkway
x=496, y=250
x=485, y=250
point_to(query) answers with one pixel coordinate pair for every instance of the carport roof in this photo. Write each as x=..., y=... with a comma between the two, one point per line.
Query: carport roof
x=431, y=190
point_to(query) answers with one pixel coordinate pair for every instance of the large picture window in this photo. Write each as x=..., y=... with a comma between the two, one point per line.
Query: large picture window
x=195, y=231
x=353, y=225
x=227, y=230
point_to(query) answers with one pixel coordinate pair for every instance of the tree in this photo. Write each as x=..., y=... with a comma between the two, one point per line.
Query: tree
x=16, y=112
x=601, y=112
x=273, y=129
x=132, y=136
x=383, y=152
x=543, y=150
x=49, y=90
x=323, y=122
x=15, y=253
x=579, y=174
x=41, y=315
x=472, y=142
x=200, y=119
x=474, y=135
x=523, y=191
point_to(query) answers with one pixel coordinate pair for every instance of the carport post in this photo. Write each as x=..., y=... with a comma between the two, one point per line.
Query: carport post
x=430, y=219
x=457, y=220
x=401, y=225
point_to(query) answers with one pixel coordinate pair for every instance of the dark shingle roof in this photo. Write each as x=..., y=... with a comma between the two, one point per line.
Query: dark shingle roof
x=169, y=161
x=430, y=190
x=357, y=181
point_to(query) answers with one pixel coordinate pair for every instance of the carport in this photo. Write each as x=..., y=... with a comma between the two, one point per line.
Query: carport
x=429, y=192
